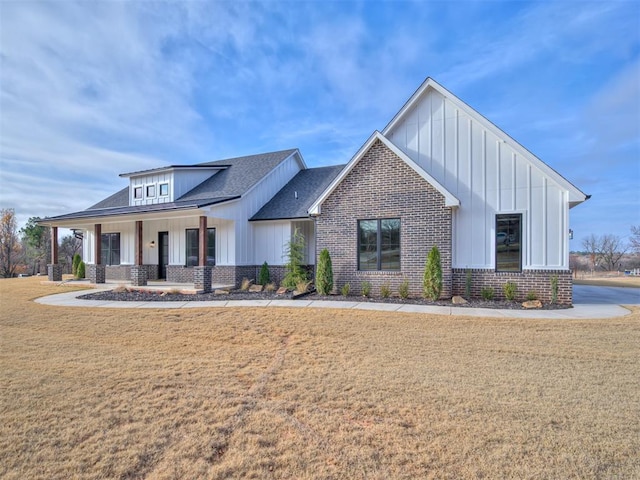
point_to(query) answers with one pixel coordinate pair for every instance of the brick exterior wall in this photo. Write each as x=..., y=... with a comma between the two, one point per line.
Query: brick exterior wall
x=380, y=186
x=54, y=272
x=220, y=274
x=538, y=281
x=179, y=274
x=118, y=272
x=202, y=278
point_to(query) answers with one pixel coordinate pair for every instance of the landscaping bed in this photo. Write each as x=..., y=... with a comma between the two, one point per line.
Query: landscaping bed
x=139, y=295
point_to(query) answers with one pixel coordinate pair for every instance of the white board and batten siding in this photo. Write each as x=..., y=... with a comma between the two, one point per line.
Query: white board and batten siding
x=272, y=239
x=489, y=176
x=239, y=211
x=179, y=182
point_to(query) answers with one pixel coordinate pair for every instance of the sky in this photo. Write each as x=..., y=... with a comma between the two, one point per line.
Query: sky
x=89, y=90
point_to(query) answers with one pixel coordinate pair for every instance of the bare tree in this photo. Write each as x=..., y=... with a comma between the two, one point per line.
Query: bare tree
x=10, y=248
x=635, y=238
x=591, y=246
x=612, y=249
x=69, y=246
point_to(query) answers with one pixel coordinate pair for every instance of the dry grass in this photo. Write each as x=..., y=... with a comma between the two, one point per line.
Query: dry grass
x=617, y=281
x=289, y=393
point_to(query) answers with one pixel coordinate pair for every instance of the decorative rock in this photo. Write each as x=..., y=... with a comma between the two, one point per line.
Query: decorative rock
x=256, y=288
x=532, y=304
x=458, y=300
x=281, y=291
x=219, y=291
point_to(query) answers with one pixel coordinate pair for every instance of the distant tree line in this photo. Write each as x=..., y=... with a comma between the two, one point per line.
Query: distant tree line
x=610, y=252
x=28, y=250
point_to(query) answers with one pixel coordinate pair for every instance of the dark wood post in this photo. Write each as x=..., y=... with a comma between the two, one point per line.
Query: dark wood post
x=138, y=258
x=54, y=245
x=98, y=243
x=202, y=242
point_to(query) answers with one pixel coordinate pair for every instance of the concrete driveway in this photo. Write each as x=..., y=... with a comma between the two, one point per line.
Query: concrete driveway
x=594, y=295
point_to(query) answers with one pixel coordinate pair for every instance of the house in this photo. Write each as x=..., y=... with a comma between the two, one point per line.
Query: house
x=438, y=174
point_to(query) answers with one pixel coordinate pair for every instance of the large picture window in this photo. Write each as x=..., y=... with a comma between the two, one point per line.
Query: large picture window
x=379, y=244
x=509, y=242
x=193, y=247
x=110, y=249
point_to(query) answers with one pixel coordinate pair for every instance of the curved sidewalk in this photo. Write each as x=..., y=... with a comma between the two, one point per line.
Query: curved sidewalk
x=69, y=299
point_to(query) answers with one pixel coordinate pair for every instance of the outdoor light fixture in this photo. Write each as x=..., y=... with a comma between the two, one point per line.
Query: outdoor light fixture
x=152, y=244
x=570, y=234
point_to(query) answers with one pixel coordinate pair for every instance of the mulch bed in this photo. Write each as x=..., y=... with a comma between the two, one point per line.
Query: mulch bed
x=133, y=295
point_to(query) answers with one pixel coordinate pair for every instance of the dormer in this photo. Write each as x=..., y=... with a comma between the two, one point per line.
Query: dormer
x=167, y=184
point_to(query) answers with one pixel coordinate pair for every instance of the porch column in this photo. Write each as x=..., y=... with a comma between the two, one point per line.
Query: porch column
x=138, y=270
x=96, y=272
x=54, y=270
x=202, y=273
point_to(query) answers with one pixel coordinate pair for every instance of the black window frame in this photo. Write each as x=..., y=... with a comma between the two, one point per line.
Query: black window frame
x=512, y=236
x=194, y=247
x=379, y=243
x=108, y=242
x=135, y=193
x=160, y=194
x=150, y=188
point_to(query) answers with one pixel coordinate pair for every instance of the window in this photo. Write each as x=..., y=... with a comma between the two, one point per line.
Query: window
x=164, y=189
x=110, y=249
x=151, y=190
x=508, y=242
x=379, y=244
x=193, y=247
x=137, y=193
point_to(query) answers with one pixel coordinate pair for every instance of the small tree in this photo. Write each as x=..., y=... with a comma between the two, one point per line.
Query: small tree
x=432, y=284
x=324, y=273
x=76, y=262
x=10, y=248
x=264, y=277
x=295, y=256
x=80, y=274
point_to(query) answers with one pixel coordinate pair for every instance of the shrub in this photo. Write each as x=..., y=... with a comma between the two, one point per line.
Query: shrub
x=303, y=286
x=80, y=273
x=467, y=284
x=531, y=296
x=432, y=284
x=324, y=273
x=74, y=264
x=295, y=257
x=263, y=277
x=385, y=291
x=366, y=289
x=510, y=289
x=403, y=289
x=554, y=288
x=246, y=283
x=487, y=293
x=270, y=287
x=345, y=290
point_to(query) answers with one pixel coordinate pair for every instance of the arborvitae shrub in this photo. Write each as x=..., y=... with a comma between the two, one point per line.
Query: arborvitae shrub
x=74, y=264
x=295, y=257
x=324, y=273
x=432, y=284
x=80, y=273
x=264, y=277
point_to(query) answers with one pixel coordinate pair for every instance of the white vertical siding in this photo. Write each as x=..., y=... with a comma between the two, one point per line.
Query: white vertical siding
x=307, y=228
x=488, y=176
x=271, y=241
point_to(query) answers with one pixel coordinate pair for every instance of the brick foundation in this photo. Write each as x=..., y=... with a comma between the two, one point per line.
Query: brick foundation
x=54, y=272
x=381, y=185
x=96, y=273
x=538, y=281
x=118, y=272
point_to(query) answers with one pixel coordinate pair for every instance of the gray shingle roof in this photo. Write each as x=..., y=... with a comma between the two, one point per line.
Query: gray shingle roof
x=308, y=184
x=241, y=174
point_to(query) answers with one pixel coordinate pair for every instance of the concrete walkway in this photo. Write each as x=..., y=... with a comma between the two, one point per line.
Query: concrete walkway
x=70, y=299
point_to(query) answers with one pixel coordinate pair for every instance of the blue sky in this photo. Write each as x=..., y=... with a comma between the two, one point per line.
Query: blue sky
x=90, y=90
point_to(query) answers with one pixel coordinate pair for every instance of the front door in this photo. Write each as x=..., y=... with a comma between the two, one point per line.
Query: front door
x=163, y=254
